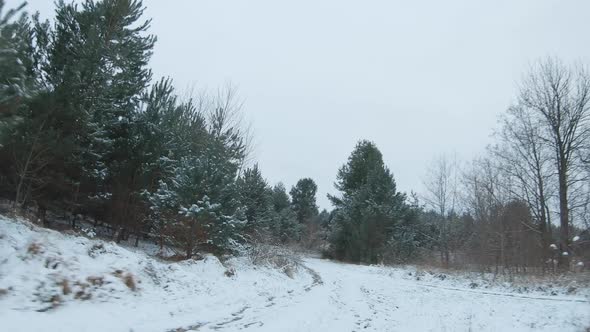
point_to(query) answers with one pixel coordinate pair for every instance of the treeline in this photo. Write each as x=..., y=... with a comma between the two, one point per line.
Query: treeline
x=524, y=205
x=526, y=202
x=85, y=132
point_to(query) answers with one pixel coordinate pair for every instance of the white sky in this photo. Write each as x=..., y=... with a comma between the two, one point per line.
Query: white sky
x=419, y=78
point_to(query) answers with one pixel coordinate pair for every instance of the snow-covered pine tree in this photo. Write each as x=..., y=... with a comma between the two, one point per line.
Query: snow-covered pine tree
x=164, y=131
x=254, y=196
x=196, y=207
x=15, y=57
x=205, y=156
x=27, y=138
x=96, y=65
x=192, y=153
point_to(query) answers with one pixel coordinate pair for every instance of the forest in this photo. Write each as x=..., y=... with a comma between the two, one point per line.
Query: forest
x=87, y=133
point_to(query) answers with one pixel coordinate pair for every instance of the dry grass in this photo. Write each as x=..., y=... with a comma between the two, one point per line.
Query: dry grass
x=127, y=279
x=522, y=282
x=65, y=287
x=83, y=292
x=56, y=300
x=230, y=272
x=275, y=257
x=34, y=249
x=172, y=258
x=95, y=281
x=52, y=262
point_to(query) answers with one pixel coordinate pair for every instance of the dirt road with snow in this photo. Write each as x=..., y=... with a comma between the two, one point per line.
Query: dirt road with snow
x=362, y=298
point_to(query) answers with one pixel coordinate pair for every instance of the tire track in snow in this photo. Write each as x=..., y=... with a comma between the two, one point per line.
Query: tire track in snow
x=317, y=279
x=525, y=297
x=346, y=298
x=235, y=322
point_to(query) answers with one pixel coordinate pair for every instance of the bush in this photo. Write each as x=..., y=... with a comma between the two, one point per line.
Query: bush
x=275, y=257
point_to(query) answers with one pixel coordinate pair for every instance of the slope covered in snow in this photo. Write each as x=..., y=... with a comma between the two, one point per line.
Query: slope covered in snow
x=55, y=282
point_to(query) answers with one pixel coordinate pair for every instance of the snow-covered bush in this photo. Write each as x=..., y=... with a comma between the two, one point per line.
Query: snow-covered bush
x=89, y=232
x=276, y=257
x=197, y=207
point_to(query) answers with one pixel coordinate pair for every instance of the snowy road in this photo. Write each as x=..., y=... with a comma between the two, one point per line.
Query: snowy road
x=200, y=295
x=361, y=298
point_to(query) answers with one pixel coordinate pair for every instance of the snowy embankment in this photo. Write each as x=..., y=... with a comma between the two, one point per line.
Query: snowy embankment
x=55, y=282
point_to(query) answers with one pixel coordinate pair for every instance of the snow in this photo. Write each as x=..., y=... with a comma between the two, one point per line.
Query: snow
x=576, y=238
x=199, y=295
x=553, y=246
x=565, y=253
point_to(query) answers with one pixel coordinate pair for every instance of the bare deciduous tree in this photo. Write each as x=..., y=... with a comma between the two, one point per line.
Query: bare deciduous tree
x=441, y=196
x=558, y=97
x=527, y=162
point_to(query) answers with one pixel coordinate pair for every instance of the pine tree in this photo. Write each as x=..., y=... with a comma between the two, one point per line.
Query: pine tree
x=285, y=226
x=161, y=135
x=324, y=218
x=197, y=206
x=15, y=57
x=303, y=200
x=283, y=222
x=28, y=138
x=96, y=66
x=279, y=197
x=370, y=208
x=254, y=196
x=197, y=202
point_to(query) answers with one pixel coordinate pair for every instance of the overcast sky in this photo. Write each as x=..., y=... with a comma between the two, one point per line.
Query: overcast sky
x=419, y=78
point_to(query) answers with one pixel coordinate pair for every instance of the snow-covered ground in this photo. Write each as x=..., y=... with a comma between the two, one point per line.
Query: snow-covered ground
x=55, y=282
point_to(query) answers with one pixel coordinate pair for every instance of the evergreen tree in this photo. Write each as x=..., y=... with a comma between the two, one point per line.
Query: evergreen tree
x=197, y=206
x=407, y=235
x=15, y=57
x=254, y=196
x=283, y=220
x=197, y=202
x=303, y=200
x=370, y=208
x=28, y=137
x=279, y=197
x=324, y=218
x=164, y=130
x=285, y=227
x=96, y=65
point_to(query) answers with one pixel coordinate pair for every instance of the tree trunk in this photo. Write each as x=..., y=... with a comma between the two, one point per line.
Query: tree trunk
x=25, y=170
x=545, y=231
x=564, y=260
x=42, y=215
x=119, y=234
x=189, y=249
